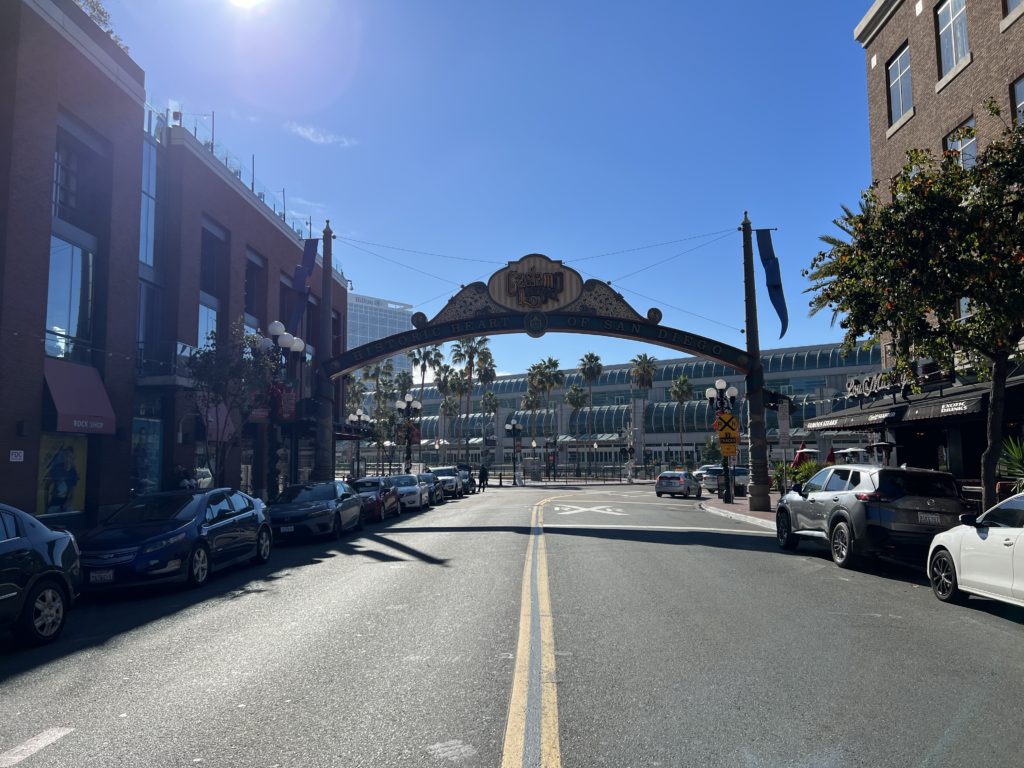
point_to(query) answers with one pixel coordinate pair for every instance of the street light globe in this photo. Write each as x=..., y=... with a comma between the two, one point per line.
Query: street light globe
x=276, y=328
x=710, y=393
x=416, y=405
x=533, y=443
x=359, y=413
x=732, y=392
x=408, y=397
x=721, y=384
x=284, y=341
x=298, y=344
x=266, y=344
x=508, y=427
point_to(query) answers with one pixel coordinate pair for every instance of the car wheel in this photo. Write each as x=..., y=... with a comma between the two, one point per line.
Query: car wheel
x=686, y=494
x=942, y=575
x=337, y=531
x=698, y=494
x=265, y=544
x=42, y=617
x=360, y=524
x=198, y=566
x=656, y=493
x=841, y=544
x=784, y=531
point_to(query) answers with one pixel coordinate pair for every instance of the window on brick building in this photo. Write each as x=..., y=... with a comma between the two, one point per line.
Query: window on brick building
x=962, y=141
x=951, y=17
x=1017, y=95
x=901, y=97
x=147, y=220
x=69, y=301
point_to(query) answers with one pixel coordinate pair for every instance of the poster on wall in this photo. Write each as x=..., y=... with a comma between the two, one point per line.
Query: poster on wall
x=147, y=439
x=61, y=484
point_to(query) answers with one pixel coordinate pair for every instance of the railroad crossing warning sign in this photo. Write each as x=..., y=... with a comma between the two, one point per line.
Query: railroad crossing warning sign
x=728, y=427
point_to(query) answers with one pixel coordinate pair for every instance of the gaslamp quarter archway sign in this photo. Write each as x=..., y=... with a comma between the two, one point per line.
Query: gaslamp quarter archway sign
x=535, y=295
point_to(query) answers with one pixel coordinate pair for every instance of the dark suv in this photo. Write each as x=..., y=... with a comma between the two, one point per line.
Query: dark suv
x=862, y=508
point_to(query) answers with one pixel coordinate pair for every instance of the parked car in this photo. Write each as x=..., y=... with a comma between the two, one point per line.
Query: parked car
x=468, y=477
x=451, y=481
x=40, y=576
x=175, y=536
x=714, y=475
x=379, y=497
x=412, y=492
x=316, y=509
x=981, y=556
x=699, y=472
x=864, y=508
x=677, y=483
x=434, y=485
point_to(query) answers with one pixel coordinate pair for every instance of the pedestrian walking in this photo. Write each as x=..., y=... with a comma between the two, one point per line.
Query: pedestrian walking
x=482, y=478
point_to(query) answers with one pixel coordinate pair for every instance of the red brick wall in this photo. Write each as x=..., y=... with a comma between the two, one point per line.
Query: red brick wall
x=52, y=76
x=998, y=60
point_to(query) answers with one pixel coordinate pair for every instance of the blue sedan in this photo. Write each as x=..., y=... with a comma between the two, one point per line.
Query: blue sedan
x=177, y=536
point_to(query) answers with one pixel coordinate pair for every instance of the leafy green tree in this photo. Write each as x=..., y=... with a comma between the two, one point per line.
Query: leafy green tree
x=98, y=13
x=423, y=358
x=711, y=453
x=383, y=378
x=466, y=351
x=681, y=392
x=403, y=383
x=532, y=403
x=229, y=377
x=938, y=269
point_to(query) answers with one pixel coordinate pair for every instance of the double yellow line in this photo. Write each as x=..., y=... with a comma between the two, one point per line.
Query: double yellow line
x=531, y=730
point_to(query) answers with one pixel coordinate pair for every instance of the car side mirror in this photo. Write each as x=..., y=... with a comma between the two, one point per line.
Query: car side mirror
x=970, y=519
x=797, y=488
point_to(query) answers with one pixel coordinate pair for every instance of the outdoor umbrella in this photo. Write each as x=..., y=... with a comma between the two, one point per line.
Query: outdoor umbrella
x=831, y=458
x=799, y=458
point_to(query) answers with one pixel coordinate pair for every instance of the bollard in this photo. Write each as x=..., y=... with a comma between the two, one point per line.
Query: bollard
x=501, y=477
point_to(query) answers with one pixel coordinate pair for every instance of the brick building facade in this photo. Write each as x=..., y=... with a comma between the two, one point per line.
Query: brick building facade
x=123, y=241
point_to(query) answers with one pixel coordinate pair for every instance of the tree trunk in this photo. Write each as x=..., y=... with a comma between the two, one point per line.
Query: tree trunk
x=996, y=406
x=590, y=422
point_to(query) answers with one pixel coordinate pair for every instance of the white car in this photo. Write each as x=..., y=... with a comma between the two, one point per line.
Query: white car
x=412, y=492
x=982, y=556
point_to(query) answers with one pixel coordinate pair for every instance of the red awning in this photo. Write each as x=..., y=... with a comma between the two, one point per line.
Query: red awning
x=80, y=398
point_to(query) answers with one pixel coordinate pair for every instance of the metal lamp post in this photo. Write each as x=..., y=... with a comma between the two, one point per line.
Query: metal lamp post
x=408, y=407
x=359, y=422
x=513, y=429
x=723, y=398
x=287, y=343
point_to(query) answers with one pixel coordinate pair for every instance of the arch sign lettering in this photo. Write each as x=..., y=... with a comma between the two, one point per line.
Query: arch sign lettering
x=535, y=295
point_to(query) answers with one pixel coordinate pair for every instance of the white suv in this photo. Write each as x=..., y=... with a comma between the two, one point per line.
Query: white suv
x=712, y=480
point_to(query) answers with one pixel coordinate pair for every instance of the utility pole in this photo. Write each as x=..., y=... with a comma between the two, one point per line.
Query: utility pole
x=323, y=463
x=759, y=484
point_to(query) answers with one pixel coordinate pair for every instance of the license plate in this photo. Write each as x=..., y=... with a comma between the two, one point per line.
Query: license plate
x=929, y=518
x=287, y=528
x=101, y=577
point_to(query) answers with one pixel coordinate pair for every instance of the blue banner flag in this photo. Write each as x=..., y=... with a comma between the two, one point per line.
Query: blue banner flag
x=300, y=283
x=773, y=276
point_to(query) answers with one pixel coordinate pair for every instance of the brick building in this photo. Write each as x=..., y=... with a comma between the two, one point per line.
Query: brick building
x=123, y=241
x=930, y=69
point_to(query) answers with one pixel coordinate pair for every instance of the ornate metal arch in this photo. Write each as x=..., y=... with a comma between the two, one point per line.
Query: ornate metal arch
x=536, y=295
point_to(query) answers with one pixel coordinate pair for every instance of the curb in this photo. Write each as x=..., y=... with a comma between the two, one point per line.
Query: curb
x=739, y=516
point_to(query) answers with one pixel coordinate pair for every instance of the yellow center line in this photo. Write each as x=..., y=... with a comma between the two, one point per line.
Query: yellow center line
x=520, y=713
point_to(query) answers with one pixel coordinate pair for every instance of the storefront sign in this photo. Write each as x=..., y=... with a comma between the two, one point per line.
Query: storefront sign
x=875, y=384
x=17, y=456
x=960, y=406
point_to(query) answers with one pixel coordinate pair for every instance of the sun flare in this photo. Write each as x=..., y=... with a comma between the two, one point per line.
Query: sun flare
x=246, y=3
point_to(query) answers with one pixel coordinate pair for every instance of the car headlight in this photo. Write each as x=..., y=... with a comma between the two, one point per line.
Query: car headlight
x=163, y=543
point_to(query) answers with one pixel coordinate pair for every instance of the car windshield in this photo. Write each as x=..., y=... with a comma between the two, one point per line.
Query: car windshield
x=405, y=481
x=297, y=494
x=366, y=485
x=445, y=472
x=155, y=509
x=897, y=484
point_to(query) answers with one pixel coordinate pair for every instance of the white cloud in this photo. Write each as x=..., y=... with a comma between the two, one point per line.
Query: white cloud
x=319, y=136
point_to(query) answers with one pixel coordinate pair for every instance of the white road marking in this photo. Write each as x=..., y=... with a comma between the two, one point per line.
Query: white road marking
x=603, y=509
x=678, y=528
x=14, y=756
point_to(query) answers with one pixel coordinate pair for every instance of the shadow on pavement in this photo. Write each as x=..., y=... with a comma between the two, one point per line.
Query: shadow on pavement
x=99, y=617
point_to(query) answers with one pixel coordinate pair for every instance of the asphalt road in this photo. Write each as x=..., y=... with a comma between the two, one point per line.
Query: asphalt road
x=602, y=627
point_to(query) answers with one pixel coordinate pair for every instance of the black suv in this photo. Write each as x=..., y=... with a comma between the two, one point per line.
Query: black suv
x=863, y=508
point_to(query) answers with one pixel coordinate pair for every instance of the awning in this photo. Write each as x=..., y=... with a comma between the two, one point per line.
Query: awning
x=944, y=408
x=80, y=398
x=857, y=418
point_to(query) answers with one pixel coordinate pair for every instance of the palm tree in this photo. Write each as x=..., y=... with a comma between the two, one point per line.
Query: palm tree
x=490, y=404
x=449, y=408
x=459, y=386
x=590, y=369
x=643, y=370
x=531, y=402
x=682, y=392
x=576, y=398
x=425, y=357
x=403, y=382
x=466, y=351
x=382, y=376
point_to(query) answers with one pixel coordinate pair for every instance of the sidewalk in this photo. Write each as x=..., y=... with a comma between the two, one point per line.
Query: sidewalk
x=740, y=510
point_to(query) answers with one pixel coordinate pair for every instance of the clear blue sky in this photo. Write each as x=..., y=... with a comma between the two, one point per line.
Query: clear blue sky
x=484, y=131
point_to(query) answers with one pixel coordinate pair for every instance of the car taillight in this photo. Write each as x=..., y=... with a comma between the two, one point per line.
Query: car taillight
x=874, y=496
